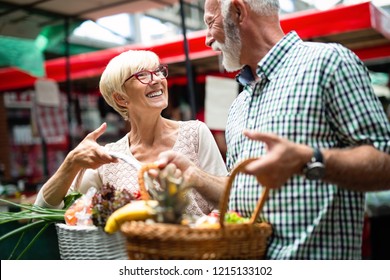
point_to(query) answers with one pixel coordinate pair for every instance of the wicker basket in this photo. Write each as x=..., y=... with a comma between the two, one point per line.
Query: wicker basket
x=230, y=241
x=89, y=243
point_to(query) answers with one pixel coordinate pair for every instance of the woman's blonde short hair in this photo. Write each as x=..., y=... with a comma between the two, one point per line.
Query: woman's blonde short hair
x=119, y=69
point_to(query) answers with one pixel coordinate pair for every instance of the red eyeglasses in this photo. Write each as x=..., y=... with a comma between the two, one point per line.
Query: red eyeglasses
x=146, y=76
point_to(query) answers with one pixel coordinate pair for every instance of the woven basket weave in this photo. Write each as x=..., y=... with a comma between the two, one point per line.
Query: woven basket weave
x=230, y=241
x=89, y=243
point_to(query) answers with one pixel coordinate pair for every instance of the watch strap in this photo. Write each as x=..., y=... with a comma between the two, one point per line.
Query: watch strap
x=317, y=156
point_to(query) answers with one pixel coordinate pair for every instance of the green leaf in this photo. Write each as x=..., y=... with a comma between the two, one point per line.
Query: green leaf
x=70, y=199
x=33, y=240
x=22, y=229
x=38, y=217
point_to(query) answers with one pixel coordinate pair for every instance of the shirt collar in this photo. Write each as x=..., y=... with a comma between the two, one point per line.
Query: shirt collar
x=245, y=77
x=272, y=62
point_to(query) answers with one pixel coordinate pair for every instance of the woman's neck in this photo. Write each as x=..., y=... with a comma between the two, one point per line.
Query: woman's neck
x=147, y=140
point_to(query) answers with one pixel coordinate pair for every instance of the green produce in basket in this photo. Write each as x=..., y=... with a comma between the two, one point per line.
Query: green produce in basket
x=235, y=218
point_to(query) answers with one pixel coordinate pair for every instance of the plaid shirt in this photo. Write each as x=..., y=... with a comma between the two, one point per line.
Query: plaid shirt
x=320, y=95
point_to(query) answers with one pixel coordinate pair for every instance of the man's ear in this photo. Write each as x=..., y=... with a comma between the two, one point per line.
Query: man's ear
x=119, y=99
x=239, y=10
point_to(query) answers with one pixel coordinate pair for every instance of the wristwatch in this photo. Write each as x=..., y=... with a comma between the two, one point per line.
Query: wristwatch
x=315, y=168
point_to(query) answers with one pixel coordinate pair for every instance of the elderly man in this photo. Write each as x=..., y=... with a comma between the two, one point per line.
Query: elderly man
x=310, y=116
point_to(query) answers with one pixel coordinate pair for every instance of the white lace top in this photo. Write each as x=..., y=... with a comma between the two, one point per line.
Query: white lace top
x=194, y=140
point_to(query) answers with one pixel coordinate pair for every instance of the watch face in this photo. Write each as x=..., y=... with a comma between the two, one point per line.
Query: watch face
x=315, y=171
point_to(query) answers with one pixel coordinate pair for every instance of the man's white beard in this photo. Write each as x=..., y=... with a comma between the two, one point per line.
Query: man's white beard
x=231, y=49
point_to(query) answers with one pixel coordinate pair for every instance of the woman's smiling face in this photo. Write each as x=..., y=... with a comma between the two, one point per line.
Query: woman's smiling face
x=147, y=90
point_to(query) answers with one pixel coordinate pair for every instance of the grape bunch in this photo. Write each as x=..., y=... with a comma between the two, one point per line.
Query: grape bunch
x=106, y=201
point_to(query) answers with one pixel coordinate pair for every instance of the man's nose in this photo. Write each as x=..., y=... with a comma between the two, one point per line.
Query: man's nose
x=209, y=39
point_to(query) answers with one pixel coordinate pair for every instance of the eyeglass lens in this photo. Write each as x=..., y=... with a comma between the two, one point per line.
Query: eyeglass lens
x=146, y=77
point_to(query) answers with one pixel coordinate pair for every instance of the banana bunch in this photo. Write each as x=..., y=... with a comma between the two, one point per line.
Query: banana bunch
x=138, y=210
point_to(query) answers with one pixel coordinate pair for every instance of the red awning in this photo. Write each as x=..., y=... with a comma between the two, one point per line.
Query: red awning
x=364, y=28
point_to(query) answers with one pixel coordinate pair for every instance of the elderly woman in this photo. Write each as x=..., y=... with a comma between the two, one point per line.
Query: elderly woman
x=134, y=84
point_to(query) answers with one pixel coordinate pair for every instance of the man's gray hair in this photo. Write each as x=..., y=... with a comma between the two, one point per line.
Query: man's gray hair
x=263, y=7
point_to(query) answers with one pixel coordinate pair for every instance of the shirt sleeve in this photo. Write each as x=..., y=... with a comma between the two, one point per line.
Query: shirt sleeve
x=91, y=178
x=210, y=157
x=354, y=109
x=40, y=201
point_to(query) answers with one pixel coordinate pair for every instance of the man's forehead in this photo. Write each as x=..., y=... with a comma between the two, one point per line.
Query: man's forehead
x=212, y=5
x=211, y=8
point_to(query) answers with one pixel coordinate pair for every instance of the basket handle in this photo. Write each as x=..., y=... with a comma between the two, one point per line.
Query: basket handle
x=225, y=198
x=141, y=180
